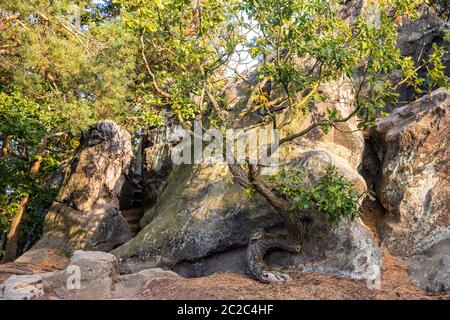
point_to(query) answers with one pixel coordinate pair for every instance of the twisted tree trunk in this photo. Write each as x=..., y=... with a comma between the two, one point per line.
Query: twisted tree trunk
x=6, y=139
x=260, y=244
x=260, y=241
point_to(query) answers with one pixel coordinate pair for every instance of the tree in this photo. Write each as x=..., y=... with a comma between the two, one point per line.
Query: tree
x=189, y=48
x=63, y=66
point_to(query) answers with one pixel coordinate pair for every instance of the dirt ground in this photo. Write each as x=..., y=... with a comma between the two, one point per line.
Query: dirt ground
x=394, y=285
x=394, y=282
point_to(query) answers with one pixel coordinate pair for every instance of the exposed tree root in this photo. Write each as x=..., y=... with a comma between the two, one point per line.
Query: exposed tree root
x=260, y=244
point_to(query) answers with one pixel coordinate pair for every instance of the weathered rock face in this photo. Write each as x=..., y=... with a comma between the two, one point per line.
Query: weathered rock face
x=417, y=36
x=344, y=143
x=203, y=222
x=89, y=275
x=201, y=211
x=415, y=39
x=86, y=212
x=414, y=179
x=431, y=271
x=26, y=287
x=345, y=249
x=156, y=148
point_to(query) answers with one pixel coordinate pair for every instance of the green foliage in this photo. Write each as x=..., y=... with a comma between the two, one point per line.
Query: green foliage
x=436, y=69
x=184, y=44
x=24, y=123
x=60, y=76
x=33, y=221
x=332, y=195
x=305, y=43
x=151, y=119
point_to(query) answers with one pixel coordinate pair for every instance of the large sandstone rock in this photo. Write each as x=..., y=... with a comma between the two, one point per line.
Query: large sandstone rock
x=85, y=214
x=413, y=146
x=344, y=143
x=202, y=221
x=156, y=163
x=201, y=211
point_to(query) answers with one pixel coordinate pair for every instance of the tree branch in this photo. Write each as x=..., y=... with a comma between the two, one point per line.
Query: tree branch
x=152, y=75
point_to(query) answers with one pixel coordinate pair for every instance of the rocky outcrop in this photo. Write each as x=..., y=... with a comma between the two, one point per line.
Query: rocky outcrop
x=415, y=39
x=202, y=220
x=85, y=214
x=26, y=287
x=343, y=143
x=89, y=275
x=346, y=248
x=417, y=36
x=200, y=212
x=414, y=179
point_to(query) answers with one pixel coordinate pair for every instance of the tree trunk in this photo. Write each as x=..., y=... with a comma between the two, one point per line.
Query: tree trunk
x=5, y=145
x=293, y=223
x=13, y=238
x=260, y=244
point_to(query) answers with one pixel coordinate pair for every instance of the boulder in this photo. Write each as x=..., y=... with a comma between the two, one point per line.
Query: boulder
x=346, y=248
x=201, y=211
x=90, y=275
x=431, y=271
x=203, y=222
x=412, y=145
x=24, y=287
x=85, y=214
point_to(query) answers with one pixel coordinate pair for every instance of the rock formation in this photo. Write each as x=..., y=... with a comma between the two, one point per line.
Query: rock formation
x=202, y=221
x=197, y=221
x=414, y=179
x=85, y=214
x=431, y=271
